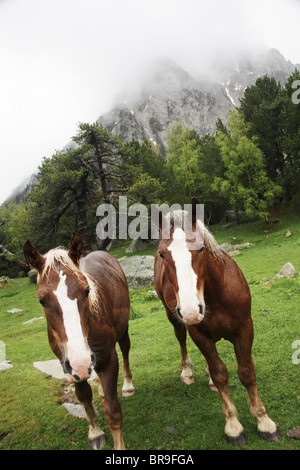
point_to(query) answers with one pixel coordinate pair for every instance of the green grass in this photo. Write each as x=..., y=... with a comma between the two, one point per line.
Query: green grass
x=32, y=417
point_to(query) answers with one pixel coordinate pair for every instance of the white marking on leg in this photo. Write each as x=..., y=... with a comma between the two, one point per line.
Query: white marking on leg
x=187, y=374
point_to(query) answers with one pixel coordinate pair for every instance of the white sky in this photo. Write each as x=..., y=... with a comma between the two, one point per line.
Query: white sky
x=63, y=61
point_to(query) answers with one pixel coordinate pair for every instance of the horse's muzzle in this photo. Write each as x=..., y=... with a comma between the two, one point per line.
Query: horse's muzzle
x=80, y=372
x=192, y=318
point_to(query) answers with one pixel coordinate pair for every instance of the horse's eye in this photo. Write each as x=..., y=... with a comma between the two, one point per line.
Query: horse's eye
x=86, y=292
x=200, y=249
x=42, y=301
x=161, y=255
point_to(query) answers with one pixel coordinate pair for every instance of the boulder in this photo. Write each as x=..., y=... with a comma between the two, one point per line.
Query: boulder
x=287, y=270
x=136, y=245
x=227, y=247
x=139, y=271
x=5, y=365
x=243, y=246
x=32, y=274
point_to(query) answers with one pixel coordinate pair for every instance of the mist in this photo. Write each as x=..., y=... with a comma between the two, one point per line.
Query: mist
x=66, y=61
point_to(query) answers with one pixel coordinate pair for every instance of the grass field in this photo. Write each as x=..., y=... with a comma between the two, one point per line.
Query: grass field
x=164, y=413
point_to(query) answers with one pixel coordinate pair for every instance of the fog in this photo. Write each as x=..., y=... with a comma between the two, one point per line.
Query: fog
x=65, y=61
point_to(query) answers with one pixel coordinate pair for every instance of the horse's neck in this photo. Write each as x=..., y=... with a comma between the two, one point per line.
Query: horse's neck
x=214, y=273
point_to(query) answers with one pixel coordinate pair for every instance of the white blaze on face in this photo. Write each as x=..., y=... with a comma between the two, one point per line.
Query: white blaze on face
x=186, y=278
x=77, y=352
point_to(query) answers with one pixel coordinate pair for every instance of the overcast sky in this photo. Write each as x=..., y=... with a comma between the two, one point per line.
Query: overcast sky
x=63, y=61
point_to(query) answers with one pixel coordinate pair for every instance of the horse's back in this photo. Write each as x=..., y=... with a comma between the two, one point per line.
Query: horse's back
x=100, y=264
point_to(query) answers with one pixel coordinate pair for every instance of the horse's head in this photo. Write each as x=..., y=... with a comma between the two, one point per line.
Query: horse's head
x=181, y=249
x=64, y=292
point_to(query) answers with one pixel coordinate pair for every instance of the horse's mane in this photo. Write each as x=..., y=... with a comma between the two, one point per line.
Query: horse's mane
x=176, y=218
x=58, y=257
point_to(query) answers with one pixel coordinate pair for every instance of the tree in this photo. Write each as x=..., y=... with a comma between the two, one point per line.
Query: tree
x=14, y=229
x=261, y=108
x=193, y=162
x=290, y=140
x=246, y=183
x=64, y=184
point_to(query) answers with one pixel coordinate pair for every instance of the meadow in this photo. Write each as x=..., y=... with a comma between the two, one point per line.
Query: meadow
x=164, y=413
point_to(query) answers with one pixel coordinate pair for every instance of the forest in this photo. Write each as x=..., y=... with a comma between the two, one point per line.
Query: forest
x=250, y=165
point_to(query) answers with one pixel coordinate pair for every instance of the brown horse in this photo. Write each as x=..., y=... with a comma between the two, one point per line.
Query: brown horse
x=204, y=291
x=87, y=308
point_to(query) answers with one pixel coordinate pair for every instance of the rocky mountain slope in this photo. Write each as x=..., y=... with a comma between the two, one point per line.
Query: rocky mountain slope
x=171, y=94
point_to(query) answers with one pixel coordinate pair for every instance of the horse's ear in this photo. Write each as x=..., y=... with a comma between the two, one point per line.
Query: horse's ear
x=76, y=248
x=157, y=217
x=33, y=257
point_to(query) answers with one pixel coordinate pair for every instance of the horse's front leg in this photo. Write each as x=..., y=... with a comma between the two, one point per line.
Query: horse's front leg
x=234, y=431
x=111, y=408
x=84, y=394
x=128, y=388
x=186, y=363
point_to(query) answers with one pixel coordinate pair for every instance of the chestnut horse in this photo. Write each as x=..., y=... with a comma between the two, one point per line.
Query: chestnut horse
x=87, y=308
x=204, y=291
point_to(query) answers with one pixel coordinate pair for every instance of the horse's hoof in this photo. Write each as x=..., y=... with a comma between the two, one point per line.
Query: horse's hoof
x=128, y=393
x=271, y=436
x=238, y=441
x=98, y=442
x=188, y=380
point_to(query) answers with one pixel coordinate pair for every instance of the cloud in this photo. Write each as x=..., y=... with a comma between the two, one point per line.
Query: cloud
x=64, y=61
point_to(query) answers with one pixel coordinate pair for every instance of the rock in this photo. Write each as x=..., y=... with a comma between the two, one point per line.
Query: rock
x=139, y=271
x=32, y=320
x=136, y=245
x=14, y=310
x=287, y=270
x=75, y=410
x=287, y=234
x=226, y=247
x=5, y=365
x=32, y=276
x=243, y=246
x=294, y=432
x=171, y=430
x=4, y=279
x=52, y=367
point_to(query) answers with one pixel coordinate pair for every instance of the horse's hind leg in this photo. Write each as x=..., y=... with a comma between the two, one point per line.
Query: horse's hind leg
x=128, y=388
x=84, y=394
x=242, y=345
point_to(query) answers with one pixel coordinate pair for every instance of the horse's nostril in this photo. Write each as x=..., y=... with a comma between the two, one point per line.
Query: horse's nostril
x=67, y=367
x=93, y=360
x=201, y=309
x=76, y=378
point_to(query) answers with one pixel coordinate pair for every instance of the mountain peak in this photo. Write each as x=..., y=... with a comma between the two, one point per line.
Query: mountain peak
x=168, y=93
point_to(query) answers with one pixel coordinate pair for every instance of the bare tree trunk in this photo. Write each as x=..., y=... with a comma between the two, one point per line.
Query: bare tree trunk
x=12, y=258
x=82, y=225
